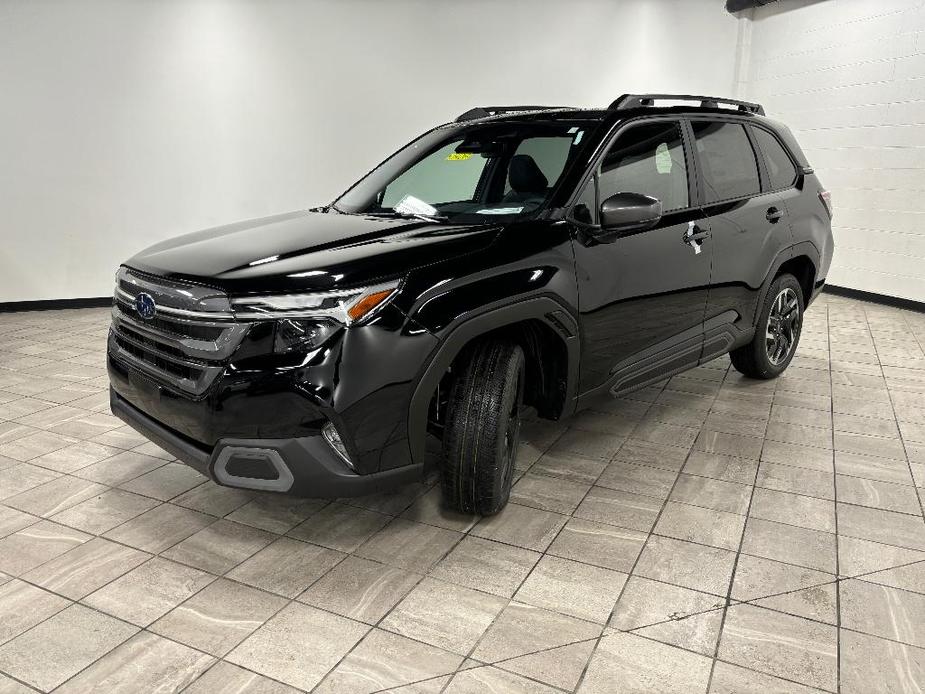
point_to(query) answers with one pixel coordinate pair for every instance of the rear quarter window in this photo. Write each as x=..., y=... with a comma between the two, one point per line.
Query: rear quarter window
x=781, y=171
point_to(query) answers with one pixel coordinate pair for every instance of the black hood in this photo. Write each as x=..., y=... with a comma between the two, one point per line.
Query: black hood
x=308, y=250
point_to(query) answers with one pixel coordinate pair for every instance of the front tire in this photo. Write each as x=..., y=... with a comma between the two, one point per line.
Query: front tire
x=777, y=333
x=483, y=428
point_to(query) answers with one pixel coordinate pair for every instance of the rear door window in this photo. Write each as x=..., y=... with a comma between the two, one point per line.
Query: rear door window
x=727, y=161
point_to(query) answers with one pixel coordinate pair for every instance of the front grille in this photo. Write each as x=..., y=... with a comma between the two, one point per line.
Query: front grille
x=184, y=328
x=187, y=343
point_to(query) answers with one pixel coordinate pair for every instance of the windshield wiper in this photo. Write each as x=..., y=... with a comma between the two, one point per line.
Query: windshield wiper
x=411, y=215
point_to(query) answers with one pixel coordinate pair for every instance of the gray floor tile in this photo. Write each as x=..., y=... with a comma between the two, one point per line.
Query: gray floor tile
x=151, y=590
x=339, y=527
x=277, y=649
x=652, y=454
x=706, y=569
x=62, y=646
x=491, y=679
x=165, y=482
x=286, y=567
x=642, y=666
x=781, y=645
x=702, y=525
x=119, y=468
x=790, y=544
x=22, y=606
x=797, y=456
x=27, y=548
x=105, y=511
x=720, y=495
x=721, y=467
x=431, y=510
x=219, y=617
x=55, y=496
x=85, y=568
x=444, y=615
x=549, y=493
x=883, y=495
x=871, y=664
x=793, y=589
x=881, y=526
x=601, y=544
x=361, y=589
x=145, y=662
x=733, y=679
x=220, y=547
x=521, y=526
x=857, y=556
x=485, y=565
x=409, y=545
x=160, y=528
x=525, y=630
x=677, y=616
x=555, y=582
x=633, y=511
x=637, y=479
x=793, y=509
x=384, y=660
x=873, y=468
x=883, y=611
x=225, y=678
x=797, y=480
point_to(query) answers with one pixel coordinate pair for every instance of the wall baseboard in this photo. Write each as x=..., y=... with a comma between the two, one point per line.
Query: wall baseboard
x=895, y=301
x=55, y=304
x=103, y=301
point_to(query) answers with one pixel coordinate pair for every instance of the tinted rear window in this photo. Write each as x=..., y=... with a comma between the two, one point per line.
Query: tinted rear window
x=781, y=171
x=727, y=161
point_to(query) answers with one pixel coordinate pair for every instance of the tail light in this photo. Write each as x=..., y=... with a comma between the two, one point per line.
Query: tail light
x=826, y=198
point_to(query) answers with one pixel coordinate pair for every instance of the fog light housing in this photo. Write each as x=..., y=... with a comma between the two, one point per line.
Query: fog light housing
x=332, y=436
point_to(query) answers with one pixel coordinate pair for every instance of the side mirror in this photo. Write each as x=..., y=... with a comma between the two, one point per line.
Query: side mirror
x=625, y=212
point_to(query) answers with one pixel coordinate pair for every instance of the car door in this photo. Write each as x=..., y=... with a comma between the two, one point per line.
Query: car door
x=748, y=223
x=642, y=295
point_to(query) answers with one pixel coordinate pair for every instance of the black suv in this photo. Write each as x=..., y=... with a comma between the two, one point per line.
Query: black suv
x=519, y=256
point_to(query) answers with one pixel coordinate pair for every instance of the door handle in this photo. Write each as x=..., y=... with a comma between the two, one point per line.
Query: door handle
x=774, y=215
x=694, y=236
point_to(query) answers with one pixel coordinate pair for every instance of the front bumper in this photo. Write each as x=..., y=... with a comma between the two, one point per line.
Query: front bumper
x=304, y=466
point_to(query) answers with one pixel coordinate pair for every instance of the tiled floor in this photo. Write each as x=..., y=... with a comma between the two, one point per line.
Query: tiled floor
x=709, y=534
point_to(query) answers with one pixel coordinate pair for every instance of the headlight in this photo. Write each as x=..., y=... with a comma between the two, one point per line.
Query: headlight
x=305, y=321
x=303, y=335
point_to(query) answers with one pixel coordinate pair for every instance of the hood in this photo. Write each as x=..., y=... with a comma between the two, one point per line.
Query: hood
x=308, y=250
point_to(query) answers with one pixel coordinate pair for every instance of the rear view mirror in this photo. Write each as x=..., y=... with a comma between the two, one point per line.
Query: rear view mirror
x=625, y=212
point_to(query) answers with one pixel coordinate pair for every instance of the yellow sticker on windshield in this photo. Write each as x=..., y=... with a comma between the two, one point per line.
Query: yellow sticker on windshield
x=459, y=156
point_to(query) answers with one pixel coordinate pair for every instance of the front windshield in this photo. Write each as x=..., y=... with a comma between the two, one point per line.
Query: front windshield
x=470, y=173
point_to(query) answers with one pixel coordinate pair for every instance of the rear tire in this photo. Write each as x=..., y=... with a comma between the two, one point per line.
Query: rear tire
x=483, y=428
x=777, y=333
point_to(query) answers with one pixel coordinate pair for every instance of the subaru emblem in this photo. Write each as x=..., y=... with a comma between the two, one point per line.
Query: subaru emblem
x=144, y=304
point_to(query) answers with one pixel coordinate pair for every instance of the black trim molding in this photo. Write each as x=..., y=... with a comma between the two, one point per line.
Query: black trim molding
x=897, y=302
x=55, y=304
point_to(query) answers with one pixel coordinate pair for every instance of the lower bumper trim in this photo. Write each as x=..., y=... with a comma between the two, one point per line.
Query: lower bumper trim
x=307, y=467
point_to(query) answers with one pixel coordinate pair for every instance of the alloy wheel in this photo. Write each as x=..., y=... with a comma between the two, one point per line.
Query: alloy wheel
x=783, y=326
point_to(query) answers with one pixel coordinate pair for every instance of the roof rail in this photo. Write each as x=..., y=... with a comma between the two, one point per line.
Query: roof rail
x=486, y=111
x=636, y=100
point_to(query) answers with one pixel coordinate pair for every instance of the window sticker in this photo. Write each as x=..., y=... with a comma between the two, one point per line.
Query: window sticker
x=578, y=137
x=501, y=210
x=459, y=156
x=663, y=159
x=412, y=205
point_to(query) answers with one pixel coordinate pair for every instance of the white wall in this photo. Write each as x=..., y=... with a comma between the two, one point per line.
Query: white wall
x=849, y=77
x=123, y=122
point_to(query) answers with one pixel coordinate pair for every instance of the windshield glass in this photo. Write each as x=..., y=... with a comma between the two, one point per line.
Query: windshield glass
x=471, y=174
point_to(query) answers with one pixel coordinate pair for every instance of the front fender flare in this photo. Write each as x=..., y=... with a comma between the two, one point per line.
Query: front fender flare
x=544, y=308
